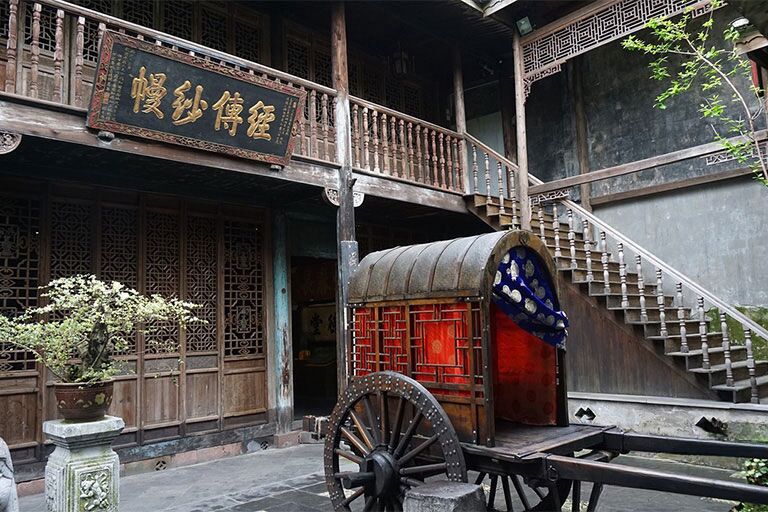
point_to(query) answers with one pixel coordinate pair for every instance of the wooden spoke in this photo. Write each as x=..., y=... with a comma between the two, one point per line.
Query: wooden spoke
x=352, y=497
x=426, y=470
x=370, y=502
x=480, y=478
x=384, y=408
x=411, y=482
x=375, y=427
x=423, y=446
x=397, y=425
x=520, y=492
x=539, y=493
x=594, y=497
x=507, y=493
x=362, y=429
x=348, y=455
x=356, y=442
x=408, y=434
x=576, y=500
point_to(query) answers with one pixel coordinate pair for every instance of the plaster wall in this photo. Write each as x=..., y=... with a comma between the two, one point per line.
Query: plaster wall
x=716, y=234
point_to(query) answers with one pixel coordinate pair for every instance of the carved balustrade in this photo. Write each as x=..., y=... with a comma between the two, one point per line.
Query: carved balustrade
x=387, y=142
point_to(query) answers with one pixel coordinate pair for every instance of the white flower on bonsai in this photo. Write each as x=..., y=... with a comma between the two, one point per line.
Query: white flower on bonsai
x=85, y=321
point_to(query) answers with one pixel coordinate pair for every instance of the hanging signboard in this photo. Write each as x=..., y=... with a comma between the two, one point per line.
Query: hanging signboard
x=155, y=92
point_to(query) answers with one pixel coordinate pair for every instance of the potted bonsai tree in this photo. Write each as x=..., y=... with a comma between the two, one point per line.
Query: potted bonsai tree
x=82, y=323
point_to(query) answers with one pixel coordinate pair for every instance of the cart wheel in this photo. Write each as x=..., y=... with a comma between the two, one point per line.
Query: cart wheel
x=553, y=499
x=397, y=435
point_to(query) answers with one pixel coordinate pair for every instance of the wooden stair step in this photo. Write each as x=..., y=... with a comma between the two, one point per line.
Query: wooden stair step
x=741, y=390
x=694, y=359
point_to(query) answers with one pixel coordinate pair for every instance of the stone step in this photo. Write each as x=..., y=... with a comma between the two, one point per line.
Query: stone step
x=694, y=359
x=741, y=391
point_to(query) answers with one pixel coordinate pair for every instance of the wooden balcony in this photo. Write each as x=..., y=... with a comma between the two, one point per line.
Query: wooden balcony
x=48, y=54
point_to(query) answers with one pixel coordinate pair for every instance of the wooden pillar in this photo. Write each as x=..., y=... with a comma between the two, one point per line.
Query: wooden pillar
x=461, y=115
x=581, y=128
x=283, y=351
x=345, y=220
x=522, y=145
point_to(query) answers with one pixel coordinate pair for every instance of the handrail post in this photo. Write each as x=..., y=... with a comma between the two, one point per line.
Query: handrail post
x=461, y=116
x=522, y=145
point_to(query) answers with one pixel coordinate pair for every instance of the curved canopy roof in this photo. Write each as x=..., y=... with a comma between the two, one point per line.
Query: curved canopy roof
x=462, y=267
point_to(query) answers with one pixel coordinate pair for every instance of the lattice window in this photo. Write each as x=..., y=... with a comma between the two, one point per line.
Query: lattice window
x=102, y=6
x=71, y=239
x=19, y=262
x=322, y=67
x=213, y=28
x=141, y=12
x=297, y=57
x=5, y=13
x=373, y=85
x=394, y=92
x=363, y=357
x=178, y=18
x=162, y=273
x=47, y=28
x=91, y=28
x=119, y=251
x=440, y=344
x=247, y=39
x=201, y=280
x=243, y=290
x=354, y=78
x=412, y=100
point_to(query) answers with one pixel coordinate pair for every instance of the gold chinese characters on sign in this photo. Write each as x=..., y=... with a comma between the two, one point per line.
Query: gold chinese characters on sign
x=159, y=93
x=148, y=94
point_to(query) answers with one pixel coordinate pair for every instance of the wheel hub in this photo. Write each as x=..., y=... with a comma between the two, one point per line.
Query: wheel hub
x=384, y=467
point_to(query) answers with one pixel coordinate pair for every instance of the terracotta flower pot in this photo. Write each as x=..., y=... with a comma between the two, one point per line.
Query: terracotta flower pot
x=83, y=402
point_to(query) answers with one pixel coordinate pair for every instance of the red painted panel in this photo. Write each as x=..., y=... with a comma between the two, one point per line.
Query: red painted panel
x=524, y=373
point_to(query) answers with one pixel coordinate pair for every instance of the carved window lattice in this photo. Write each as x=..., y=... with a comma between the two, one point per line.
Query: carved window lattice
x=297, y=57
x=162, y=274
x=247, y=39
x=119, y=252
x=243, y=290
x=201, y=281
x=5, y=13
x=322, y=64
x=91, y=28
x=373, y=86
x=412, y=100
x=213, y=29
x=178, y=18
x=141, y=12
x=71, y=237
x=19, y=266
x=47, y=39
x=394, y=95
x=609, y=24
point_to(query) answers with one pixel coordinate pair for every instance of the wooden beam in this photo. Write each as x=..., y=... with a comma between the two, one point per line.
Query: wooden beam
x=345, y=219
x=669, y=187
x=581, y=128
x=67, y=124
x=522, y=144
x=495, y=6
x=639, y=165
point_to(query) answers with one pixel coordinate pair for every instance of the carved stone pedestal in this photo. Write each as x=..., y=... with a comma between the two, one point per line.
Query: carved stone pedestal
x=83, y=472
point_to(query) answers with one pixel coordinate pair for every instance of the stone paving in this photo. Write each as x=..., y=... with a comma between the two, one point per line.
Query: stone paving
x=291, y=479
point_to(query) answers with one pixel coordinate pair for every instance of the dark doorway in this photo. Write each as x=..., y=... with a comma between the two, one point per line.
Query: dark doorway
x=313, y=303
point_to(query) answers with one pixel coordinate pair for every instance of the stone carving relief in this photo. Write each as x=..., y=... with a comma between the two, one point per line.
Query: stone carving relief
x=9, y=141
x=9, y=502
x=95, y=491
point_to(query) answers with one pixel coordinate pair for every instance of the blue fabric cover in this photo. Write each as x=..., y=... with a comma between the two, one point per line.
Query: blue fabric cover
x=523, y=290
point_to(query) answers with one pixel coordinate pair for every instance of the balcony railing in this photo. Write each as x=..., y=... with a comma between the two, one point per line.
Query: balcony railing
x=50, y=52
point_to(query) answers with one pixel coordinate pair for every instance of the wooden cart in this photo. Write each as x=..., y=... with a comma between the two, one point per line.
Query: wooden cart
x=457, y=363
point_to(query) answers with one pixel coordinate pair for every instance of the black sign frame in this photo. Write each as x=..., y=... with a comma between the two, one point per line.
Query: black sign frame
x=294, y=99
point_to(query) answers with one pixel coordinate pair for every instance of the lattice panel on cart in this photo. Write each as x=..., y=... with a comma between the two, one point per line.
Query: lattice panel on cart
x=363, y=354
x=47, y=40
x=178, y=18
x=71, y=238
x=120, y=251
x=440, y=344
x=162, y=274
x=19, y=267
x=613, y=22
x=201, y=281
x=243, y=289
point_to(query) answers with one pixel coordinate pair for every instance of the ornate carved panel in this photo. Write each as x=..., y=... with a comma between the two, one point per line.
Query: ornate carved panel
x=201, y=281
x=243, y=290
x=5, y=12
x=213, y=28
x=19, y=262
x=247, y=38
x=297, y=57
x=71, y=238
x=162, y=273
x=178, y=18
x=47, y=27
x=322, y=65
x=140, y=12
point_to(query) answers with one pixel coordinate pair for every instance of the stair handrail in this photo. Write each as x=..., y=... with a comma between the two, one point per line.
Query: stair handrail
x=638, y=249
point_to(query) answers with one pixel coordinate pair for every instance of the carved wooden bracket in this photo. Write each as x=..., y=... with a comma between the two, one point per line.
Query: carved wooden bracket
x=549, y=196
x=332, y=196
x=9, y=141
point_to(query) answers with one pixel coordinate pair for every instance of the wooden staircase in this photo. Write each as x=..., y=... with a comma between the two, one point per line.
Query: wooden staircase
x=657, y=317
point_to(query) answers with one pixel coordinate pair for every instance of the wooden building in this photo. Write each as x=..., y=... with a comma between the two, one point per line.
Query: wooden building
x=418, y=109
